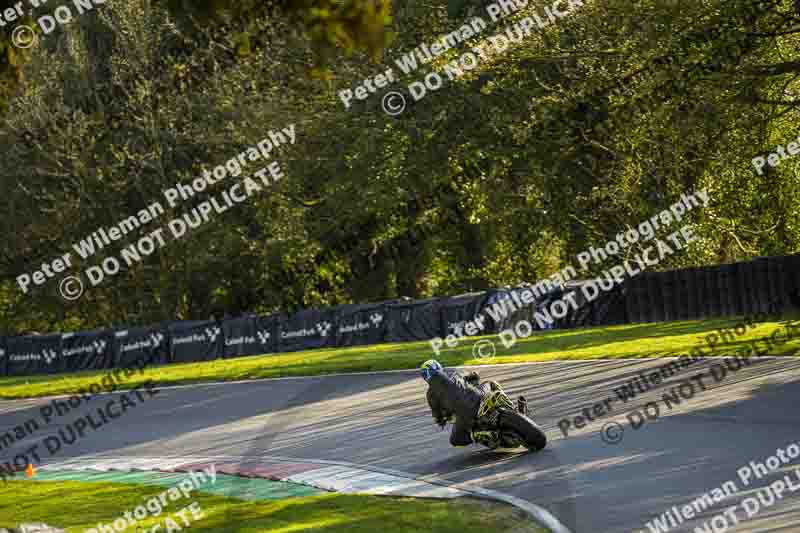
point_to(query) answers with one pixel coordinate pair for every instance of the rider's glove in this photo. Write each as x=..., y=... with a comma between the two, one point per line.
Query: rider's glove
x=472, y=378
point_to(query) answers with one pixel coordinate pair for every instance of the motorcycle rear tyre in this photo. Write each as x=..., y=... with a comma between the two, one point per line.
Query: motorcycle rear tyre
x=533, y=437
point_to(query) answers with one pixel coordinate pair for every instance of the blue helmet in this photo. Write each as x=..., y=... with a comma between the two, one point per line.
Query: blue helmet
x=428, y=368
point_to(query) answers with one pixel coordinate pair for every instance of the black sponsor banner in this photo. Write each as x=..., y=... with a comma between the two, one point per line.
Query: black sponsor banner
x=239, y=337
x=749, y=287
x=268, y=330
x=497, y=308
x=250, y=335
x=775, y=289
x=3, y=358
x=545, y=307
x=506, y=307
x=582, y=314
x=458, y=311
x=761, y=285
x=308, y=329
x=614, y=307
x=87, y=350
x=360, y=324
x=702, y=288
x=140, y=347
x=195, y=340
x=739, y=288
x=413, y=320
x=34, y=354
x=608, y=307
x=721, y=292
x=792, y=280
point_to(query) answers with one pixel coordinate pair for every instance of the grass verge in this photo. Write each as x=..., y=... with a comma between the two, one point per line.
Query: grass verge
x=55, y=503
x=628, y=341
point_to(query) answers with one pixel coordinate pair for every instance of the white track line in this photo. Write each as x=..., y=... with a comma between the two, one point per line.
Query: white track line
x=340, y=476
x=539, y=514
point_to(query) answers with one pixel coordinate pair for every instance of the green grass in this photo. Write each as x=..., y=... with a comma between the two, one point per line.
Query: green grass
x=77, y=506
x=628, y=341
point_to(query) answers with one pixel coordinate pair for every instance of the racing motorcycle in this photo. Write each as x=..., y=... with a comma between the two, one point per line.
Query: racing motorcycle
x=501, y=425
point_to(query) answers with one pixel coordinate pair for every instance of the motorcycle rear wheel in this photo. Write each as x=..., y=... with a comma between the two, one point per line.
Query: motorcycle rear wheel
x=534, y=438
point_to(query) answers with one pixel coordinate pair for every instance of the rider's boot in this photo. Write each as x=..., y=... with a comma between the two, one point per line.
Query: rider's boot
x=486, y=438
x=522, y=405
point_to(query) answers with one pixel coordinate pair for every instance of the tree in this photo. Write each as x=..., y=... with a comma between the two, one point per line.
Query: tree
x=331, y=26
x=501, y=176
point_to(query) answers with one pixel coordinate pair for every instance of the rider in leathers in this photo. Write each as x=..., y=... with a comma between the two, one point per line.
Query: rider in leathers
x=451, y=394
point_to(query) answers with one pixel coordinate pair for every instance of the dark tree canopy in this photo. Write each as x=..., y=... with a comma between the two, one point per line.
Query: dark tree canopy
x=503, y=175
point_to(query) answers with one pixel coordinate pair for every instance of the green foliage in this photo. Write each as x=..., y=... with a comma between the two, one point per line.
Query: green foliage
x=54, y=502
x=330, y=24
x=12, y=58
x=580, y=130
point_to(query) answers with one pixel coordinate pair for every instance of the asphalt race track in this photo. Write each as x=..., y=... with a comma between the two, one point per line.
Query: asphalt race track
x=381, y=420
